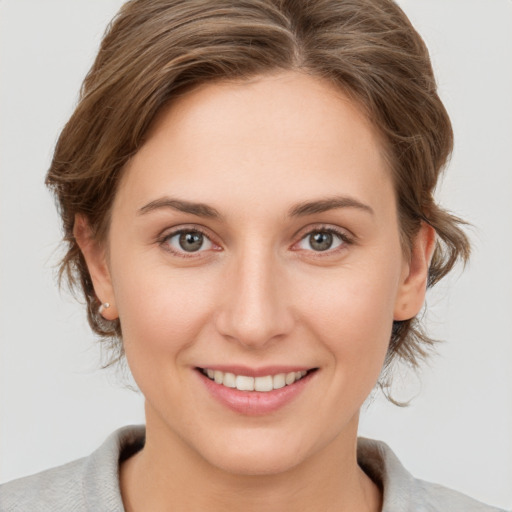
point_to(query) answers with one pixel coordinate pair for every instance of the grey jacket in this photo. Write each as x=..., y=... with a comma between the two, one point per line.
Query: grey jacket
x=91, y=484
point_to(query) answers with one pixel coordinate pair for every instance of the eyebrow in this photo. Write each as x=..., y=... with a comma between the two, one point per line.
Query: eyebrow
x=299, y=210
x=199, y=209
x=329, y=203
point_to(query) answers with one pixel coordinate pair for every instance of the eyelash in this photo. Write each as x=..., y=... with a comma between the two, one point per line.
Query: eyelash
x=344, y=238
x=164, y=241
x=342, y=235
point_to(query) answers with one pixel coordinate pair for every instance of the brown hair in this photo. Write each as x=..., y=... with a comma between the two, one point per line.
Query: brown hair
x=155, y=50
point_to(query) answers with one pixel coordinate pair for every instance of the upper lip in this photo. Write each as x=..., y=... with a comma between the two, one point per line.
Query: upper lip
x=257, y=372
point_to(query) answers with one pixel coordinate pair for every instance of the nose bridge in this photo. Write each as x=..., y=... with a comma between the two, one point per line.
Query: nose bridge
x=255, y=309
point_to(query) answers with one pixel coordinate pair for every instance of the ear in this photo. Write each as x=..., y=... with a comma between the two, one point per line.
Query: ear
x=413, y=286
x=95, y=257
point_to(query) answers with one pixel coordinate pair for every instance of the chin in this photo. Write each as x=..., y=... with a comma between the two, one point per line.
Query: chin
x=257, y=463
x=257, y=454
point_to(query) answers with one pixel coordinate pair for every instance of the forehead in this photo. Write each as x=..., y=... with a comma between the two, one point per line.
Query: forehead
x=287, y=132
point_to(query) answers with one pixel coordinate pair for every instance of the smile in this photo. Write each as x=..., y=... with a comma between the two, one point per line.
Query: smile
x=256, y=391
x=263, y=384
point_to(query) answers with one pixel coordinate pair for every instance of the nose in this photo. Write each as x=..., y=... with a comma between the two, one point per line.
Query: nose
x=255, y=306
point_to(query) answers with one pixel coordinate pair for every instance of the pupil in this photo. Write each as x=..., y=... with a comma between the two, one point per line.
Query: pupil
x=191, y=242
x=320, y=241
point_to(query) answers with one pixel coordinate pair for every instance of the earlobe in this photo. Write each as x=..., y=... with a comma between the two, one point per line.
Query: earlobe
x=95, y=257
x=413, y=286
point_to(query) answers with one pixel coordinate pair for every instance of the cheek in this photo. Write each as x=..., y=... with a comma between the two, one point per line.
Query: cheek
x=161, y=309
x=351, y=313
x=162, y=315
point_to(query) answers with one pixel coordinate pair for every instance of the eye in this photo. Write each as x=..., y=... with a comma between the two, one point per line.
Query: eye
x=322, y=240
x=188, y=241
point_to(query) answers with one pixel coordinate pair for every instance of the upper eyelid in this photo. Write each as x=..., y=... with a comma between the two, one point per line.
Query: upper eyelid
x=164, y=238
x=298, y=236
x=169, y=233
x=314, y=228
x=345, y=236
x=183, y=228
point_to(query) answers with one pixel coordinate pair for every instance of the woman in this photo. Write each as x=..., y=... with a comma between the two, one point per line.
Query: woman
x=247, y=196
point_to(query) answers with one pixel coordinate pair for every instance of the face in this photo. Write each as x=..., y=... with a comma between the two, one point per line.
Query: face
x=254, y=241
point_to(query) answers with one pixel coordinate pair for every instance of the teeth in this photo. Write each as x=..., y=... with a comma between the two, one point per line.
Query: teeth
x=229, y=380
x=244, y=383
x=262, y=384
x=279, y=381
x=290, y=378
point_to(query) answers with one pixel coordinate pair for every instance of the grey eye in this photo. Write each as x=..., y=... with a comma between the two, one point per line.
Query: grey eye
x=189, y=241
x=320, y=241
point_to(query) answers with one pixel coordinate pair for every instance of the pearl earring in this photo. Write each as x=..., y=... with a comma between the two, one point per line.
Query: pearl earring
x=102, y=308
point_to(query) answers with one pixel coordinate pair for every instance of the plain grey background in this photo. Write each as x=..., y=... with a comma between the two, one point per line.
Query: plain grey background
x=56, y=405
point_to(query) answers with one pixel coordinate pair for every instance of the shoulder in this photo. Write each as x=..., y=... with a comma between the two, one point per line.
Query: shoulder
x=88, y=484
x=436, y=497
x=54, y=489
x=404, y=493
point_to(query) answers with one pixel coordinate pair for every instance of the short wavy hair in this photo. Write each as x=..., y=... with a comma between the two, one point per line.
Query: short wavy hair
x=155, y=50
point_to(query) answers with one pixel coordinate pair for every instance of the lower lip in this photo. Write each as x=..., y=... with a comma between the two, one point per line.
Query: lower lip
x=255, y=403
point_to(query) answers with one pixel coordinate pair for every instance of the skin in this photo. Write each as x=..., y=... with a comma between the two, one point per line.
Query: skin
x=258, y=294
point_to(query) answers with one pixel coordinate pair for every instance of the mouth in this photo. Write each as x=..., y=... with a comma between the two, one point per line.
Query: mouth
x=256, y=392
x=262, y=383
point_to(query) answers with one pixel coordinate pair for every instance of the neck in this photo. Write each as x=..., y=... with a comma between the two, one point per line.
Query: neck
x=167, y=471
